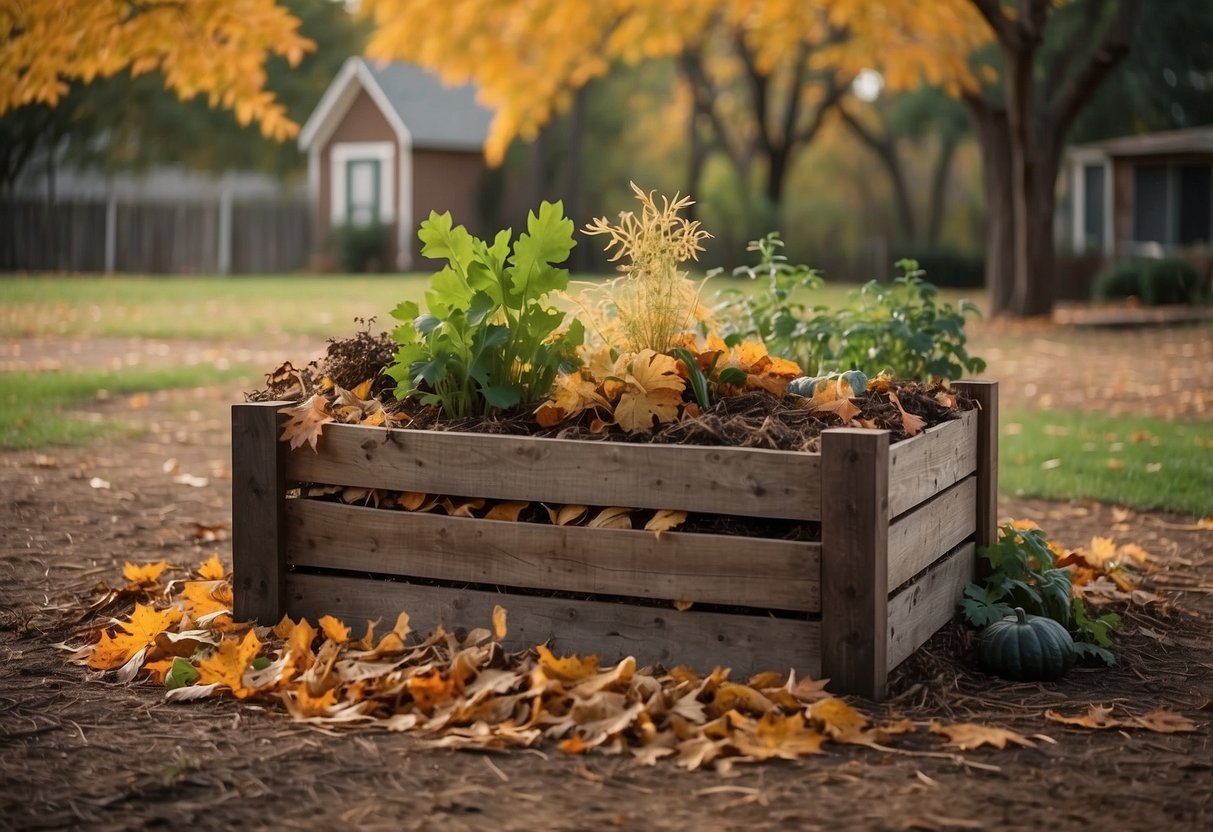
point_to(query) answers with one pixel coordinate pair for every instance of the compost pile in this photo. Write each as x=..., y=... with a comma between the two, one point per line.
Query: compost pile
x=751, y=419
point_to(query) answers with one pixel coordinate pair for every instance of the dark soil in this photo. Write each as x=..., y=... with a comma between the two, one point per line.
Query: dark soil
x=80, y=752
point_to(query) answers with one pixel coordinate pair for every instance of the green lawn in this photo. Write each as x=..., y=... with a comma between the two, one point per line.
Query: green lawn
x=49, y=408
x=1137, y=462
x=238, y=308
x=232, y=308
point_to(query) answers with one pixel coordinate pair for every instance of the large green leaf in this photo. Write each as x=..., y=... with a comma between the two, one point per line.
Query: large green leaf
x=547, y=240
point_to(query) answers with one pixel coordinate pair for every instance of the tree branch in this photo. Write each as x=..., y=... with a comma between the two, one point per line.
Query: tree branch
x=705, y=94
x=834, y=94
x=1112, y=49
x=1004, y=28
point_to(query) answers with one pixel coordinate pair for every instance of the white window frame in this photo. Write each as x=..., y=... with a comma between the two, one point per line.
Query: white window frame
x=1079, y=160
x=344, y=152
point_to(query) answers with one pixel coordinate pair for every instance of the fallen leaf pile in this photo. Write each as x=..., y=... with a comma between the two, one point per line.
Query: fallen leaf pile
x=466, y=691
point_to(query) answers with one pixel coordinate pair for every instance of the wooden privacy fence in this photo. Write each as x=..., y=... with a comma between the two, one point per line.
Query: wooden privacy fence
x=187, y=236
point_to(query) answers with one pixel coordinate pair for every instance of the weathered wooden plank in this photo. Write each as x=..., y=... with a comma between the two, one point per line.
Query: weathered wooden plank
x=705, y=568
x=920, y=609
x=746, y=481
x=919, y=537
x=985, y=393
x=258, y=494
x=921, y=467
x=854, y=559
x=748, y=644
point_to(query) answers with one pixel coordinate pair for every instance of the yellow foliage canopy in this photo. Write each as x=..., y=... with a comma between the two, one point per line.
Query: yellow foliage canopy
x=527, y=57
x=215, y=48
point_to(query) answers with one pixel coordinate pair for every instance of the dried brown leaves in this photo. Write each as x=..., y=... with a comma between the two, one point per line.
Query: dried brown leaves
x=469, y=691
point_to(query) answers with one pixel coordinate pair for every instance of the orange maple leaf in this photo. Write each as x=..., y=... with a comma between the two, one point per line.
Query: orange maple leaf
x=132, y=636
x=334, y=629
x=307, y=705
x=212, y=570
x=226, y=666
x=306, y=422
x=147, y=574
x=209, y=598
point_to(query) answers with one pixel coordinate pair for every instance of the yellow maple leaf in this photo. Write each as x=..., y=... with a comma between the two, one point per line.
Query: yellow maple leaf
x=568, y=668
x=306, y=422
x=838, y=720
x=333, y=629
x=431, y=689
x=226, y=666
x=572, y=394
x=138, y=632
x=147, y=574
x=775, y=736
x=652, y=390
x=1101, y=551
x=499, y=622
x=211, y=570
x=968, y=735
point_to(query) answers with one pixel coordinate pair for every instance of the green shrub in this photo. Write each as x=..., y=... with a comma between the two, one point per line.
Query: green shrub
x=900, y=327
x=1151, y=281
x=950, y=268
x=363, y=248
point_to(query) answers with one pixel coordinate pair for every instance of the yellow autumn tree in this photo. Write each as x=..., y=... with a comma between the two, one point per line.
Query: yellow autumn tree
x=764, y=73
x=215, y=48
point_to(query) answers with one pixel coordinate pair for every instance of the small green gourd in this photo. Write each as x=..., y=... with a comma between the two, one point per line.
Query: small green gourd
x=1026, y=648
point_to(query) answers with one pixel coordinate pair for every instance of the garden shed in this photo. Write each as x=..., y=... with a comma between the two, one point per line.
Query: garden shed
x=387, y=144
x=1149, y=194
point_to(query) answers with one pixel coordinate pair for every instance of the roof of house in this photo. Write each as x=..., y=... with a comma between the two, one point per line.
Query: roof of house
x=421, y=109
x=1190, y=140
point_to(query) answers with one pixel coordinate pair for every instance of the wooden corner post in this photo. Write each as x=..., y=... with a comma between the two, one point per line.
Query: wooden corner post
x=985, y=393
x=854, y=560
x=258, y=493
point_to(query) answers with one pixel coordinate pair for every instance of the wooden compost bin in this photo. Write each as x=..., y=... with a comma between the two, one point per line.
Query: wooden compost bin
x=899, y=528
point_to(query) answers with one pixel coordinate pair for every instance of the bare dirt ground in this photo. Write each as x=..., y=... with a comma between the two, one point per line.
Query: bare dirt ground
x=78, y=752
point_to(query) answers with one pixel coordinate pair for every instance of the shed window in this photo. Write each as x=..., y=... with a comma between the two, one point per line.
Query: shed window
x=1173, y=204
x=1093, y=206
x=362, y=199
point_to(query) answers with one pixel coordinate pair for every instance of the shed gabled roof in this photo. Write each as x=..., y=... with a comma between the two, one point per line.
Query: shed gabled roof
x=421, y=110
x=1190, y=140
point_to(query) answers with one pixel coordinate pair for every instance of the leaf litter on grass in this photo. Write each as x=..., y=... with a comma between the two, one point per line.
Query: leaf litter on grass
x=466, y=691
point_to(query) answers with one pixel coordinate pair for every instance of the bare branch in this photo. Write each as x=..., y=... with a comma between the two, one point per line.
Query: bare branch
x=1112, y=49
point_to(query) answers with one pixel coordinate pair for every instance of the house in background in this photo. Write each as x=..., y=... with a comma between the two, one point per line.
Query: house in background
x=1150, y=194
x=389, y=143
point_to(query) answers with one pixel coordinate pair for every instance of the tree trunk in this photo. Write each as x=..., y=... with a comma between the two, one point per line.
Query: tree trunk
x=994, y=137
x=939, y=187
x=572, y=173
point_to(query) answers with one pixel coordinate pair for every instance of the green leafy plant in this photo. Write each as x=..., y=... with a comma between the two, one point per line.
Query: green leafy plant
x=1023, y=573
x=489, y=338
x=770, y=312
x=901, y=327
